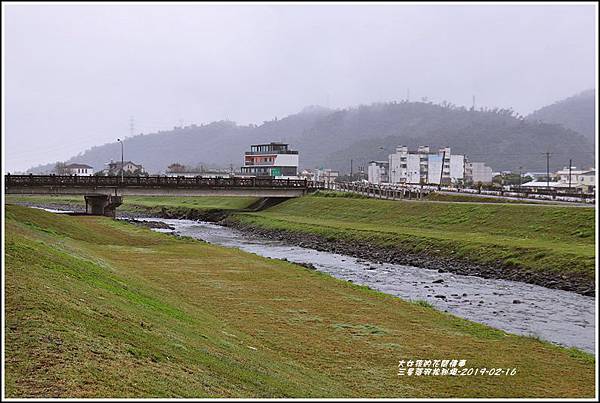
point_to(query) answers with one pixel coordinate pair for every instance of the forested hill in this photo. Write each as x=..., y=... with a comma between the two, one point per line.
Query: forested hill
x=576, y=113
x=330, y=138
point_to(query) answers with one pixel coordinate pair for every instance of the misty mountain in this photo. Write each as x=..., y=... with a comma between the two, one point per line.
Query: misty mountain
x=499, y=137
x=331, y=138
x=576, y=113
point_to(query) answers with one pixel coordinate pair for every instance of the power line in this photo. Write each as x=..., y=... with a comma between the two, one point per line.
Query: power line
x=525, y=154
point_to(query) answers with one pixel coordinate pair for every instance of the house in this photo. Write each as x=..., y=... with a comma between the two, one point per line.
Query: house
x=327, y=176
x=200, y=174
x=79, y=170
x=378, y=172
x=542, y=185
x=273, y=159
x=128, y=167
x=584, y=180
x=587, y=180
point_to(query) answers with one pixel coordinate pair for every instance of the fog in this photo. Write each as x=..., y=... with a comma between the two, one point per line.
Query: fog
x=75, y=74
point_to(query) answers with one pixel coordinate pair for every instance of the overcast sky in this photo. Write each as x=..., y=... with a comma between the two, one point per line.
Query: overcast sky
x=74, y=74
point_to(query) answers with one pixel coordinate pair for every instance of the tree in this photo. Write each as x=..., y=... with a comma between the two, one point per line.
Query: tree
x=60, y=168
x=176, y=167
x=137, y=172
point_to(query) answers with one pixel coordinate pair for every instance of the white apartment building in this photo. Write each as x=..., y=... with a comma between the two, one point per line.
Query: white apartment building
x=478, y=172
x=377, y=172
x=423, y=166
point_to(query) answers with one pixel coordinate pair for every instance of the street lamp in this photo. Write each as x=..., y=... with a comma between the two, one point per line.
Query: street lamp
x=520, y=177
x=119, y=140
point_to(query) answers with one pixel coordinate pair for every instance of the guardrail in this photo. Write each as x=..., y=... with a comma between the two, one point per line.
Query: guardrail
x=382, y=191
x=400, y=191
x=156, y=181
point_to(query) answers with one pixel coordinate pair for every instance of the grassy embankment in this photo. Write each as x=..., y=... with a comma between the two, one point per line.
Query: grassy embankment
x=150, y=205
x=478, y=198
x=97, y=307
x=551, y=239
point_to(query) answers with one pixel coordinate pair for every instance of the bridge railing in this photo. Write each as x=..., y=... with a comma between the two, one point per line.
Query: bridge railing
x=156, y=181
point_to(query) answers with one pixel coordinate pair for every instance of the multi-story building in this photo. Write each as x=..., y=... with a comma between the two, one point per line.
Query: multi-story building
x=423, y=166
x=377, y=172
x=273, y=159
x=478, y=172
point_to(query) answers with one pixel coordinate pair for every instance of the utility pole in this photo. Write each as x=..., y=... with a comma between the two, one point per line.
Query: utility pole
x=547, y=170
x=473, y=102
x=442, y=170
x=570, y=163
x=520, y=176
x=351, y=171
x=120, y=141
x=408, y=95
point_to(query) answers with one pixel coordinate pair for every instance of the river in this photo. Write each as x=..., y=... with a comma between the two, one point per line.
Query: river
x=562, y=317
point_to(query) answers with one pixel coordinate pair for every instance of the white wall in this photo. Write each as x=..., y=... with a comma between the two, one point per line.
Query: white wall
x=375, y=173
x=481, y=172
x=457, y=167
x=286, y=160
x=81, y=171
x=395, y=172
x=413, y=168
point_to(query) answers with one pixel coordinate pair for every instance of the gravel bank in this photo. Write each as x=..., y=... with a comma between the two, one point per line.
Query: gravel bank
x=579, y=284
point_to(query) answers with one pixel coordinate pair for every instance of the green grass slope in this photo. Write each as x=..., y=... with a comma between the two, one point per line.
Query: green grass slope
x=96, y=307
x=533, y=237
x=149, y=204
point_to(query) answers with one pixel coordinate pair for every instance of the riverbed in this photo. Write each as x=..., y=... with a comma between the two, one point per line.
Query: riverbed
x=558, y=316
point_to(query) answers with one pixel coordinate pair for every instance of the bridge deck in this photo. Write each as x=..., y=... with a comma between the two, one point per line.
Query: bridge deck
x=157, y=185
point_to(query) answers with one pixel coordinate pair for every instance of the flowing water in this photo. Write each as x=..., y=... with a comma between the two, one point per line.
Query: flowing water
x=558, y=316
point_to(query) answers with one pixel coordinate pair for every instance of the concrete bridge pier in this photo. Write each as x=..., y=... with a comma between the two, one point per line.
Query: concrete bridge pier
x=100, y=204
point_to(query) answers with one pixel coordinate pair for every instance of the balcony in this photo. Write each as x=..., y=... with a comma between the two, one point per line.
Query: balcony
x=259, y=163
x=270, y=152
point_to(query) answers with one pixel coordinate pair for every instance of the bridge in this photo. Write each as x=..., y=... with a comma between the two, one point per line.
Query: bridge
x=103, y=194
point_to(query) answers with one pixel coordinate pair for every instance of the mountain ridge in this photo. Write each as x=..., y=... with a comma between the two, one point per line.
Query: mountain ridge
x=331, y=138
x=577, y=112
